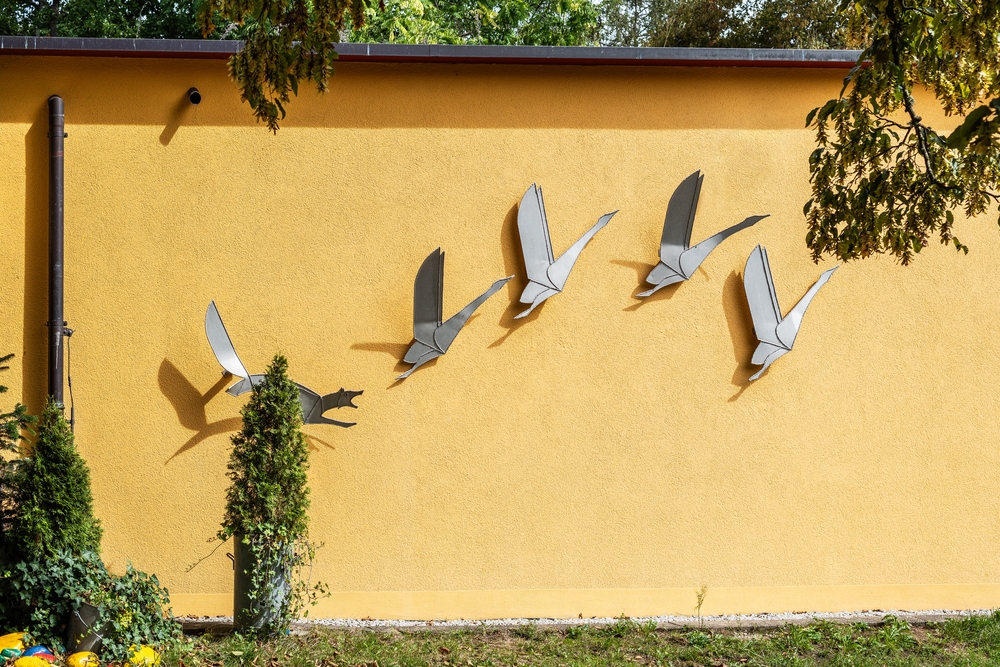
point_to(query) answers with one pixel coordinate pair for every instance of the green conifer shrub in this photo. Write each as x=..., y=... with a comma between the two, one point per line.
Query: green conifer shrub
x=52, y=491
x=266, y=504
x=52, y=561
x=12, y=425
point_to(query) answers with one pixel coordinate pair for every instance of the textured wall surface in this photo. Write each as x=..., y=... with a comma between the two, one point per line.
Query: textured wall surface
x=603, y=456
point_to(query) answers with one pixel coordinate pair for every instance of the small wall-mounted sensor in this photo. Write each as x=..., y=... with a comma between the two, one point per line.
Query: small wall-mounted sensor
x=194, y=96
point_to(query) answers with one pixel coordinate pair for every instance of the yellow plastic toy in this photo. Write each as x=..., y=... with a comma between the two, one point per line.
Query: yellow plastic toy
x=32, y=661
x=12, y=645
x=144, y=656
x=83, y=659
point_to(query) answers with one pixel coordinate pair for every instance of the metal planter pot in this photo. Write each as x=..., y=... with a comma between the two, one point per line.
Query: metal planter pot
x=250, y=614
x=84, y=633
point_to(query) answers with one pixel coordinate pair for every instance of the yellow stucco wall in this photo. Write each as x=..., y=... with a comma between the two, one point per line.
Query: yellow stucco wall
x=604, y=457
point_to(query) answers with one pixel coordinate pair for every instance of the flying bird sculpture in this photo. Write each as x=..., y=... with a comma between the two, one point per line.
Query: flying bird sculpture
x=432, y=336
x=678, y=260
x=546, y=275
x=775, y=333
x=313, y=404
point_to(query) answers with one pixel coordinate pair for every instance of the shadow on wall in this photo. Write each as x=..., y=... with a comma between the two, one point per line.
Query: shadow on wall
x=190, y=404
x=381, y=96
x=177, y=114
x=34, y=362
x=513, y=265
x=737, y=310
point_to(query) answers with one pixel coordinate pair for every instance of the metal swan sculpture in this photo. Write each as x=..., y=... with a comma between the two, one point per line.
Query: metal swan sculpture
x=313, y=404
x=678, y=260
x=546, y=275
x=775, y=333
x=432, y=336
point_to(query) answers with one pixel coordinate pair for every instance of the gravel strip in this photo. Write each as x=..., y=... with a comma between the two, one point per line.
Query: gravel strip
x=222, y=624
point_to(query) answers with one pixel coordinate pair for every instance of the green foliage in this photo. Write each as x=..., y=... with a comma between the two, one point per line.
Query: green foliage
x=286, y=42
x=137, y=608
x=268, y=498
x=146, y=19
x=969, y=642
x=883, y=180
x=544, y=22
x=12, y=425
x=51, y=491
x=268, y=463
x=771, y=24
x=38, y=595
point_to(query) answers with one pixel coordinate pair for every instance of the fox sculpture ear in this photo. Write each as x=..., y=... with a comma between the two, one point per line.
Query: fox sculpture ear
x=546, y=275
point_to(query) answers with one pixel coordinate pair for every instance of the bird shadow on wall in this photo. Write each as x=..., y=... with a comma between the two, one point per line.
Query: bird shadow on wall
x=737, y=310
x=190, y=404
x=34, y=362
x=176, y=115
x=314, y=441
x=513, y=265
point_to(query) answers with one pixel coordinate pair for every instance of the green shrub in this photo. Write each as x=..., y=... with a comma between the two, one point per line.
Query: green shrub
x=268, y=498
x=51, y=491
x=37, y=596
x=12, y=424
x=52, y=540
x=137, y=607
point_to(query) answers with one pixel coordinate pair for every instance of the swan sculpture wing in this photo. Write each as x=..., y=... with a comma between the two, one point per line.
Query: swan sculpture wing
x=222, y=347
x=788, y=328
x=446, y=333
x=679, y=221
x=776, y=334
x=533, y=231
x=546, y=275
x=428, y=297
x=761, y=296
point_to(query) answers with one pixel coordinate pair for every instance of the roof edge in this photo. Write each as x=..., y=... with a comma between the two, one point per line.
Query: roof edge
x=442, y=53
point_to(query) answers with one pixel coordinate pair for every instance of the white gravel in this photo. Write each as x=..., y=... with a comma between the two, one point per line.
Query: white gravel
x=715, y=622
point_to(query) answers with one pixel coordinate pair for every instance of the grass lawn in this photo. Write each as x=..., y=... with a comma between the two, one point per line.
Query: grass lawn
x=970, y=641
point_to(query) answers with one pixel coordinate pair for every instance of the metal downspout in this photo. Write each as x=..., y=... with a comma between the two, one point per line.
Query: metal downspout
x=57, y=132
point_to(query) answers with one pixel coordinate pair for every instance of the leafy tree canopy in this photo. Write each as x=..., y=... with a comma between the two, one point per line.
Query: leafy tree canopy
x=884, y=180
x=773, y=24
x=542, y=22
x=289, y=42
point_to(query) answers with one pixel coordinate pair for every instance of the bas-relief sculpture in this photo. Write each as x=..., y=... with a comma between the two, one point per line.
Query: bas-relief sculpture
x=546, y=275
x=432, y=336
x=775, y=333
x=678, y=260
x=313, y=404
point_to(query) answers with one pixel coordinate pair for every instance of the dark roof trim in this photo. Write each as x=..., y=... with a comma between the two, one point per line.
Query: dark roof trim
x=441, y=53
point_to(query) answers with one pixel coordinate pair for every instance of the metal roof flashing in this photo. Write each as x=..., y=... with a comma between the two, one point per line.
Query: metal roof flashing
x=443, y=53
